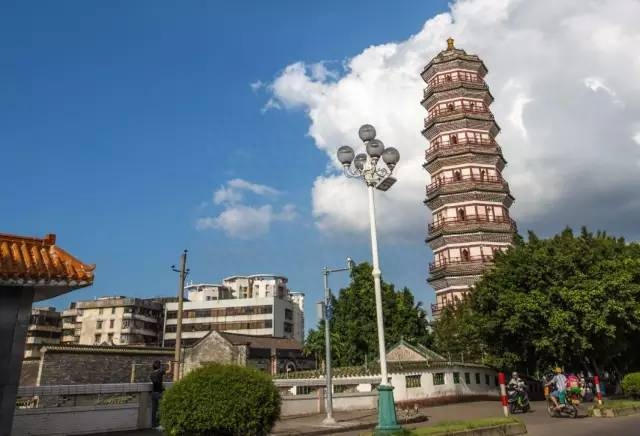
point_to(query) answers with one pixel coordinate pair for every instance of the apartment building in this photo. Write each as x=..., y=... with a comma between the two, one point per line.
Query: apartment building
x=44, y=329
x=114, y=320
x=259, y=305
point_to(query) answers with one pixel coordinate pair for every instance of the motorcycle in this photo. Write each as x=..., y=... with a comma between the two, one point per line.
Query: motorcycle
x=568, y=401
x=518, y=400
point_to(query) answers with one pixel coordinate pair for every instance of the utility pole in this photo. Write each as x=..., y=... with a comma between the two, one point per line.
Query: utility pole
x=183, y=271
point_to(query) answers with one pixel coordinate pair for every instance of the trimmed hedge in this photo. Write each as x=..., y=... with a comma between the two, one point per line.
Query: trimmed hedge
x=221, y=400
x=631, y=385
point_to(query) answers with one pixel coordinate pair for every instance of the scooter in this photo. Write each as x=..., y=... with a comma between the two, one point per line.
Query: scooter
x=568, y=404
x=518, y=401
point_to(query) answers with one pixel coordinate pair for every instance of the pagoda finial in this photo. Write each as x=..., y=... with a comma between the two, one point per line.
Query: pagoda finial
x=450, y=43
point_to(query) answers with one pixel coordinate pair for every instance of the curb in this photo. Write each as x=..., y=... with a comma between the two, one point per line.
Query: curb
x=606, y=412
x=355, y=426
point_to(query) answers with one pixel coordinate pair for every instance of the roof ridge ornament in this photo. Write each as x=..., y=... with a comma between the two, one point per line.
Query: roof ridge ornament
x=450, y=44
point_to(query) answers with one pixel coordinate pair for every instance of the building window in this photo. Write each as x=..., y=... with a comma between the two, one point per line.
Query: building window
x=456, y=378
x=97, y=337
x=110, y=338
x=487, y=379
x=98, y=325
x=438, y=378
x=111, y=321
x=100, y=311
x=477, y=378
x=288, y=314
x=412, y=381
x=113, y=311
x=467, y=378
x=288, y=327
x=126, y=323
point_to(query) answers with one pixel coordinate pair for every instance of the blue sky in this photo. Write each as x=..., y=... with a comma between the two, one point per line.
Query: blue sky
x=120, y=119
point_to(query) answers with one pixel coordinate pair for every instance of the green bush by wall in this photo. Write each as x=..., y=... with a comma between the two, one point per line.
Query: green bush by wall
x=221, y=400
x=631, y=385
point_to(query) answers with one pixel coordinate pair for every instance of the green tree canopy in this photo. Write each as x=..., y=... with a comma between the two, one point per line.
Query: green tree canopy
x=354, y=337
x=568, y=300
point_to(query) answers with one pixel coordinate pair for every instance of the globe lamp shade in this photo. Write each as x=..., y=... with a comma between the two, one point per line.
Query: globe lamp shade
x=359, y=161
x=375, y=148
x=390, y=156
x=345, y=155
x=367, y=132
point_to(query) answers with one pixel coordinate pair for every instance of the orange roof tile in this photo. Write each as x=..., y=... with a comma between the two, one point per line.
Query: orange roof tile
x=40, y=263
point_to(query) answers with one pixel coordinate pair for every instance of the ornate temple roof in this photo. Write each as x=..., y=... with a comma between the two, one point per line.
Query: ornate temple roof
x=39, y=263
x=451, y=53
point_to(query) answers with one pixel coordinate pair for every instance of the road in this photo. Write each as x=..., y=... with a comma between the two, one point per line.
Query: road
x=538, y=422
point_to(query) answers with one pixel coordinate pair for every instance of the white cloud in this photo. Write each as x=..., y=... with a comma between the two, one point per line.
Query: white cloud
x=239, y=220
x=247, y=222
x=233, y=191
x=257, y=85
x=571, y=155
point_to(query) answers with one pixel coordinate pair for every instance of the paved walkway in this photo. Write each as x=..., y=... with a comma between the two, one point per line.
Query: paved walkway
x=538, y=422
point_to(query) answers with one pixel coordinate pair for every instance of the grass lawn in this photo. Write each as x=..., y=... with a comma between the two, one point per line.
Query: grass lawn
x=619, y=404
x=451, y=426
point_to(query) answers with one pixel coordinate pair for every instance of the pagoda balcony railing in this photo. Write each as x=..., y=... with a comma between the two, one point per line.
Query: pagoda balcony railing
x=436, y=308
x=469, y=219
x=437, y=145
x=454, y=82
x=463, y=179
x=460, y=261
x=460, y=110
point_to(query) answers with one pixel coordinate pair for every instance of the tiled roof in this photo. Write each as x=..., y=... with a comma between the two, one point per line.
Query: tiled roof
x=262, y=341
x=40, y=263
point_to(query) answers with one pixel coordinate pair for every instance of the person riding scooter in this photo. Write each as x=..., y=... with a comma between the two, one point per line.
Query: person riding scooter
x=559, y=386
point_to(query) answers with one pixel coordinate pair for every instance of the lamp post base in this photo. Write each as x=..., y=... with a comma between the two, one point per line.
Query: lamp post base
x=387, y=421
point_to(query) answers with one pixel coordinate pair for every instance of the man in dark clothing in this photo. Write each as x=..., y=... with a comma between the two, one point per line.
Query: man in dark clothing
x=157, y=378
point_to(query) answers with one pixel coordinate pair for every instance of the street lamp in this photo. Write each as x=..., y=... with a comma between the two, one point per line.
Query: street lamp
x=365, y=167
x=327, y=315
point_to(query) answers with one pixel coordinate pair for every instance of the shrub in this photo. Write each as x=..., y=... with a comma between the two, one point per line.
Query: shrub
x=221, y=400
x=631, y=385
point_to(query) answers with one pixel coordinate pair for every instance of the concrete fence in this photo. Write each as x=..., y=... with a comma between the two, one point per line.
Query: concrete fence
x=99, y=408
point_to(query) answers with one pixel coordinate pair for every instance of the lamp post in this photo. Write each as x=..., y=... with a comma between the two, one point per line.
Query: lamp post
x=327, y=338
x=365, y=167
x=183, y=271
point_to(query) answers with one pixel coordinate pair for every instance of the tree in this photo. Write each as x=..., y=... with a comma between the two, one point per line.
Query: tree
x=354, y=337
x=568, y=300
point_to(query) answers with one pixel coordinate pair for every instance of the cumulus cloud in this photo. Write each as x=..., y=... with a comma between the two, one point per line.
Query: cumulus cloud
x=242, y=221
x=563, y=75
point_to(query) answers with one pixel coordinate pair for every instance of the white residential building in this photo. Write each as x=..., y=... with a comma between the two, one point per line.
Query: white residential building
x=260, y=305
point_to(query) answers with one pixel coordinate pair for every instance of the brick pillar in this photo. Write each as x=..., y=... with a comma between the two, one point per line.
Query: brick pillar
x=15, y=312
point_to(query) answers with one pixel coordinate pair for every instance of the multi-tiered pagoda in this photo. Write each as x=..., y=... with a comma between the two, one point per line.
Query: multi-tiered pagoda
x=467, y=195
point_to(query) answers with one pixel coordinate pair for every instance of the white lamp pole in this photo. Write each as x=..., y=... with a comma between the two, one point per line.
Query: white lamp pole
x=365, y=166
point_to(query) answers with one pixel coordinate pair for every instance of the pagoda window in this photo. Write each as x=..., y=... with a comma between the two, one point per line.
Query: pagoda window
x=461, y=214
x=447, y=78
x=450, y=107
x=457, y=176
x=465, y=255
x=472, y=106
x=483, y=173
x=453, y=139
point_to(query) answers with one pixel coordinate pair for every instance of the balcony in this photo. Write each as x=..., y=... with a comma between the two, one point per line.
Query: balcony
x=472, y=222
x=456, y=82
x=465, y=182
x=437, y=308
x=443, y=115
x=460, y=265
x=460, y=143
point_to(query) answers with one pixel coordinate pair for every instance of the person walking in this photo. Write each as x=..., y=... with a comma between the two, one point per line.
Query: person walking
x=157, y=380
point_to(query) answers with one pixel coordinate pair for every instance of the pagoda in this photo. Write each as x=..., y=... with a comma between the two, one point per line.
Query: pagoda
x=467, y=195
